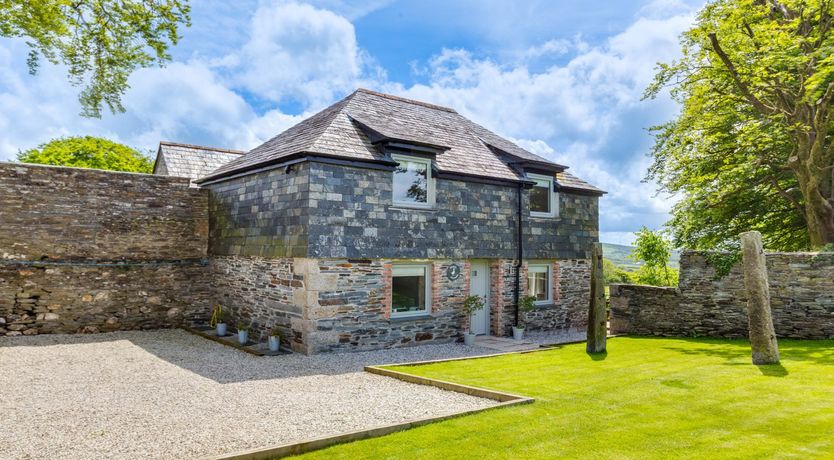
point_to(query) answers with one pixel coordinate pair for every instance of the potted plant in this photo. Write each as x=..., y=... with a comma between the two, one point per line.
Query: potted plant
x=471, y=304
x=242, y=333
x=274, y=339
x=525, y=305
x=217, y=320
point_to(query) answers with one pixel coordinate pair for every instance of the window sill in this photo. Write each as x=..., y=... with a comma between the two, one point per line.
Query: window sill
x=398, y=319
x=544, y=306
x=403, y=207
x=543, y=217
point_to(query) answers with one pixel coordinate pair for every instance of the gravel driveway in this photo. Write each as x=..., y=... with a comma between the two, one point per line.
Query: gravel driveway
x=169, y=394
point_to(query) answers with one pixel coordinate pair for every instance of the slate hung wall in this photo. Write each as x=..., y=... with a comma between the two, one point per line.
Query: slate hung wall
x=310, y=249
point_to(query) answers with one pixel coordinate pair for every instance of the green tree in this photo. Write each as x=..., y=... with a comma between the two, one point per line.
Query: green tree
x=88, y=152
x=753, y=145
x=615, y=274
x=654, y=251
x=100, y=41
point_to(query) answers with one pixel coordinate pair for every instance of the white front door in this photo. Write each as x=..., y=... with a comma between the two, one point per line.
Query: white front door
x=479, y=285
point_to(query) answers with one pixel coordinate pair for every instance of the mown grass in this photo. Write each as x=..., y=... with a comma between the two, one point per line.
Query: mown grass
x=647, y=398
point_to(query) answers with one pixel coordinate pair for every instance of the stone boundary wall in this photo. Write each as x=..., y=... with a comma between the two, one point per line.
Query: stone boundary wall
x=801, y=289
x=53, y=213
x=85, y=250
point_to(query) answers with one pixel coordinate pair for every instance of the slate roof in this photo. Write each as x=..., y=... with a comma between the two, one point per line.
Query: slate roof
x=192, y=161
x=568, y=181
x=349, y=129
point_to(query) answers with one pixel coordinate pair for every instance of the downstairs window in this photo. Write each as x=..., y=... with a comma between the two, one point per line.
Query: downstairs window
x=410, y=290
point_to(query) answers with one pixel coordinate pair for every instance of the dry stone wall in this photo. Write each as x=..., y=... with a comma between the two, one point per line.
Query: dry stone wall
x=802, y=300
x=52, y=213
x=86, y=251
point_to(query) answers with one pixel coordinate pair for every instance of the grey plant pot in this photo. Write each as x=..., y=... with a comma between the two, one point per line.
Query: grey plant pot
x=518, y=333
x=221, y=329
x=469, y=339
x=242, y=337
x=274, y=343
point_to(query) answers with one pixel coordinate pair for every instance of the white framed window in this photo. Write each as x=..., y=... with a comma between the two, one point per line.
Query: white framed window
x=538, y=283
x=413, y=182
x=544, y=201
x=410, y=290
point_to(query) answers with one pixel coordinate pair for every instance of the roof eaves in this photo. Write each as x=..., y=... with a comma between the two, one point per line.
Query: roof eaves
x=582, y=191
x=280, y=161
x=518, y=162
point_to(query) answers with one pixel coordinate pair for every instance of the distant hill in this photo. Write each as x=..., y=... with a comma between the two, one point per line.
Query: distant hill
x=619, y=253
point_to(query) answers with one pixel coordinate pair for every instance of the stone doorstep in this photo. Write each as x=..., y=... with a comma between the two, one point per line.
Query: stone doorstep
x=253, y=348
x=504, y=344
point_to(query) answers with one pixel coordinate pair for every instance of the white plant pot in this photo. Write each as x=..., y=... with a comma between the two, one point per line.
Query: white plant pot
x=221, y=329
x=518, y=333
x=242, y=337
x=469, y=339
x=274, y=343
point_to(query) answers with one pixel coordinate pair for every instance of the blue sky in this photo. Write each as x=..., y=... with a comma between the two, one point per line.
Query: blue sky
x=562, y=78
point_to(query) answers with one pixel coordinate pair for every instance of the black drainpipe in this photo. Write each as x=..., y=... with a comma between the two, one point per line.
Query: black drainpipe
x=518, y=258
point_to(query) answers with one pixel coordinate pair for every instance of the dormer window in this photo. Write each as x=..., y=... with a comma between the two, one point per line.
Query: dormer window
x=544, y=201
x=413, y=182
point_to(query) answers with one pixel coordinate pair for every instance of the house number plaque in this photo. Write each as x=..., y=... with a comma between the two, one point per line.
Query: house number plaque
x=453, y=272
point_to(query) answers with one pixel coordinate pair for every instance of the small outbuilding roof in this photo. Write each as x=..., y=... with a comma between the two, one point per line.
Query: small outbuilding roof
x=192, y=161
x=356, y=127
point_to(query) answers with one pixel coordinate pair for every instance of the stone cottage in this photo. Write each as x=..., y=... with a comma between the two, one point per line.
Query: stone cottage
x=366, y=225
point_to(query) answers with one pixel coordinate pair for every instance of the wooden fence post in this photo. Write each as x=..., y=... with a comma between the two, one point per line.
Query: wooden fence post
x=597, y=330
x=760, y=322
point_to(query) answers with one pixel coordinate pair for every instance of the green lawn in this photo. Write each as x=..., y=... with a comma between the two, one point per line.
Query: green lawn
x=648, y=398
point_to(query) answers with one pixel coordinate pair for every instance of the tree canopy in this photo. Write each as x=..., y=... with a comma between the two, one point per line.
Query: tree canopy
x=88, y=152
x=654, y=250
x=101, y=42
x=753, y=145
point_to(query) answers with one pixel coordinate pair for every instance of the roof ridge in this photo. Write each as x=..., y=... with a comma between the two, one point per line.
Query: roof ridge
x=406, y=100
x=202, y=147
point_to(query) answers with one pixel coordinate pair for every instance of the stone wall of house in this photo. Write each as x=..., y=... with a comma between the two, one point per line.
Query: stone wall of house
x=262, y=293
x=571, y=284
x=85, y=250
x=802, y=300
x=262, y=214
x=332, y=304
x=349, y=309
x=571, y=294
x=354, y=217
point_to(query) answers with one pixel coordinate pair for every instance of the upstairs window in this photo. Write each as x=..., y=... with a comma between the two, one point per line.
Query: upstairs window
x=413, y=182
x=544, y=201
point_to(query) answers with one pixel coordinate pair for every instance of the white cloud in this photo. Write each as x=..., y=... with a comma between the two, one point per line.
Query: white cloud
x=297, y=52
x=352, y=9
x=554, y=47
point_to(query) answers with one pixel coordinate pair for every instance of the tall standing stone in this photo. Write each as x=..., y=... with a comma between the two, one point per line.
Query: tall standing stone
x=597, y=319
x=760, y=321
